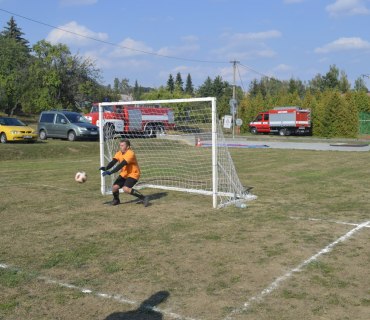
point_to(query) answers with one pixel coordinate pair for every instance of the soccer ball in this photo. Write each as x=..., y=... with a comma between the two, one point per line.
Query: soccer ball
x=81, y=177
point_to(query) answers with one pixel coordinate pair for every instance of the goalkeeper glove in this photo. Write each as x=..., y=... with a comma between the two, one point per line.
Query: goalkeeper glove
x=106, y=173
x=102, y=168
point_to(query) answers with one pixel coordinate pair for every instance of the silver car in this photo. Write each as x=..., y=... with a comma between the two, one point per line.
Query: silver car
x=65, y=125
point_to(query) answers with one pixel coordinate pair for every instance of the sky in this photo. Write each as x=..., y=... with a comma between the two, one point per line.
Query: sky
x=147, y=40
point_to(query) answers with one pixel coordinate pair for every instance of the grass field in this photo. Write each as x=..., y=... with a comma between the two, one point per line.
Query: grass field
x=300, y=251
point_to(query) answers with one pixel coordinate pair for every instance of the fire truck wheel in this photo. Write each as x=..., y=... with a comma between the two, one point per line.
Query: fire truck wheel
x=159, y=129
x=284, y=132
x=254, y=130
x=150, y=131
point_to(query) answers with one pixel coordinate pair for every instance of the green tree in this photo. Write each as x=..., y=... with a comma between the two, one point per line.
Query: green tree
x=170, y=84
x=189, y=88
x=206, y=89
x=360, y=85
x=344, y=85
x=14, y=61
x=56, y=78
x=179, y=83
x=137, y=92
x=12, y=31
x=333, y=108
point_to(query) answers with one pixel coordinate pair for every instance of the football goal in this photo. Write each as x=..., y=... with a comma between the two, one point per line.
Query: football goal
x=179, y=144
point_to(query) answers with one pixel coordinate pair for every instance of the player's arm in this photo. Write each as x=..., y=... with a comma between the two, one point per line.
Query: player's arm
x=109, y=165
x=116, y=168
x=119, y=166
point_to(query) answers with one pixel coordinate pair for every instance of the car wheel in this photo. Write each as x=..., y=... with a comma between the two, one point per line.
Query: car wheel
x=3, y=138
x=254, y=130
x=43, y=135
x=71, y=136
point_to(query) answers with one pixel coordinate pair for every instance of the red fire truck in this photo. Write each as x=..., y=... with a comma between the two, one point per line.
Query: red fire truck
x=282, y=120
x=149, y=120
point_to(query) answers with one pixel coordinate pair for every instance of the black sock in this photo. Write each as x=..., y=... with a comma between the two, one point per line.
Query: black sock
x=137, y=194
x=116, y=195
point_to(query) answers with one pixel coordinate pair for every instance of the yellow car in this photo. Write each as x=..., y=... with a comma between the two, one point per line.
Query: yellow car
x=12, y=129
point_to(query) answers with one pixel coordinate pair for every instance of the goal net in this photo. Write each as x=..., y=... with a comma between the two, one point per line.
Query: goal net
x=179, y=145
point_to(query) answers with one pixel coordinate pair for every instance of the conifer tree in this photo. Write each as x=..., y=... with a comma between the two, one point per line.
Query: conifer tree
x=179, y=83
x=12, y=31
x=170, y=84
x=189, y=89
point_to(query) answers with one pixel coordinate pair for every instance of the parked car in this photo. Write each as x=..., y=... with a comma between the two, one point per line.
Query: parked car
x=65, y=125
x=12, y=129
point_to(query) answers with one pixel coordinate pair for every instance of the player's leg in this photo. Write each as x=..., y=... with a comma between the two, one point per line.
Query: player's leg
x=128, y=188
x=119, y=183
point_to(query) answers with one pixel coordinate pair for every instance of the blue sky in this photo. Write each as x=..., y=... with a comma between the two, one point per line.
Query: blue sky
x=148, y=40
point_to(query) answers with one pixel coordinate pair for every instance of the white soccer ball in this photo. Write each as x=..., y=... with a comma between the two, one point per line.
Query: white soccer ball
x=81, y=177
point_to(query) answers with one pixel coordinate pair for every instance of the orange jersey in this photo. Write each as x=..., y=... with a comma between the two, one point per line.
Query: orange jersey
x=131, y=169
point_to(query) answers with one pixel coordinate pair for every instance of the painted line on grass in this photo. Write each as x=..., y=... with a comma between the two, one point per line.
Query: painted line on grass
x=275, y=284
x=325, y=220
x=116, y=297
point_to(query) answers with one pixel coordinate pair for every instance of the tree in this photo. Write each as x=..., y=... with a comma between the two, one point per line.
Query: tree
x=12, y=31
x=116, y=86
x=58, y=79
x=137, y=91
x=206, y=89
x=360, y=85
x=179, y=83
x=189, y=89
x=331, y=79
x=170, y=84
x=14, y=61
x=344, y=85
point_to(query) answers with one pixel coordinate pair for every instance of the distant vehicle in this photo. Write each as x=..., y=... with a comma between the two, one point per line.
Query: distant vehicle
x=12, y=129
x=284, y=121
x=145, y=119
x=65, y=125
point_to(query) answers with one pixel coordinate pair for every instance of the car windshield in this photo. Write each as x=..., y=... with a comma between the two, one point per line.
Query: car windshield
x=11, y=122
x=76, y=118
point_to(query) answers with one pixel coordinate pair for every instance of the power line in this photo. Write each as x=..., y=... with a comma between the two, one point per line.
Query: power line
x=241, y=81
x=111, y=43
x=255, y=71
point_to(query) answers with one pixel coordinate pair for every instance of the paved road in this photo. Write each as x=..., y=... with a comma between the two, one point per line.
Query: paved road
x=320, y=146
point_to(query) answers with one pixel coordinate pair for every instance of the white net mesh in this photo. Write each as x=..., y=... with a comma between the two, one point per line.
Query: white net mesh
x=177, y=148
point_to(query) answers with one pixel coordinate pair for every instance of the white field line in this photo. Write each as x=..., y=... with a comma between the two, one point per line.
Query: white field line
x=275, y=284
x=331, y=221
x=116, y=297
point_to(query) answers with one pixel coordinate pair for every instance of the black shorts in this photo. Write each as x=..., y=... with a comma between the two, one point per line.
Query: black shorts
x=125, y=182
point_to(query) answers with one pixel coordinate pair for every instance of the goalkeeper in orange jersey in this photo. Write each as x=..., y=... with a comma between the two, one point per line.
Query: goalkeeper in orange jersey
x=124, y=161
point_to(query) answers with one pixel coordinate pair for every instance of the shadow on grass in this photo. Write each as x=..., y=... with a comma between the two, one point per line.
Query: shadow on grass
x=153, y=196
x=145, y=311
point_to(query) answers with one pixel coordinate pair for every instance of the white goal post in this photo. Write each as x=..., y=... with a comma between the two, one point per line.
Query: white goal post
x=179, y=144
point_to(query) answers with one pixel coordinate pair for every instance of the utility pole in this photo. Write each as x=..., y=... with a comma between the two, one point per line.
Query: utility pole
x=234, y=62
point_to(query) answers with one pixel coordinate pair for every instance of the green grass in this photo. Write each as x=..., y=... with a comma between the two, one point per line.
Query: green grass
x=210, y=261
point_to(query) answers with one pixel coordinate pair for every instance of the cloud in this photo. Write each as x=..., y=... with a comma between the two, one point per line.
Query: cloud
x=74, y=34
x=248, y=45
x=253, y=36
x=347, y=7
x=344, y=44
x=69, y=3
x=130, y=47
